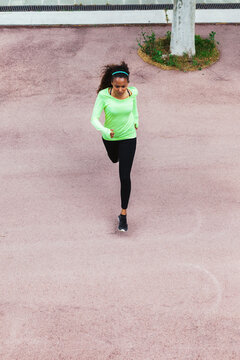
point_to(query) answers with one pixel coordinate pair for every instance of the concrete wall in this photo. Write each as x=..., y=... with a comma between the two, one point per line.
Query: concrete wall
x=81, y=17
x=111, y=17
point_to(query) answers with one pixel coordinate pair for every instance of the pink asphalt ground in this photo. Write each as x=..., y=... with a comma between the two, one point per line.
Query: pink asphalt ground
x=72, y=286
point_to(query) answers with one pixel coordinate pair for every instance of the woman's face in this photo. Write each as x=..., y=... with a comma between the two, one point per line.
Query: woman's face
x=119, y=85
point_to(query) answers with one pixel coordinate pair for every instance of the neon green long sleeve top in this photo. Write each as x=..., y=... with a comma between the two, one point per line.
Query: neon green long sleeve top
x=120, y=115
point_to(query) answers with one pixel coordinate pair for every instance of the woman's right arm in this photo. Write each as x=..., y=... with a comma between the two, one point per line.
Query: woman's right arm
x=97, y=110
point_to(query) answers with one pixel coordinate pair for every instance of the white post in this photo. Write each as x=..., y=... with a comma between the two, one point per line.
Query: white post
x=183, y=28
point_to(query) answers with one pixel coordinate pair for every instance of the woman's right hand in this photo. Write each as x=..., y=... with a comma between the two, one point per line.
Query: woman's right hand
x=112, y=133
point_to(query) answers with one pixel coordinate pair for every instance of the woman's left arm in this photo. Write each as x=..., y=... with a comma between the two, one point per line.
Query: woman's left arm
x=135, y=112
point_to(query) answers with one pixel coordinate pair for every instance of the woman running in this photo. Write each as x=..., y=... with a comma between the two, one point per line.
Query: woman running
x=119, y=136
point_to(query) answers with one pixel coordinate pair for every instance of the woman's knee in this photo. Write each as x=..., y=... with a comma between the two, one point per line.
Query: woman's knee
x=125, y=180
x=114, y=159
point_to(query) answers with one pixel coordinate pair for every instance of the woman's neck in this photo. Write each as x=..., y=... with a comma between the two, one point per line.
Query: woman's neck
x=117, y=97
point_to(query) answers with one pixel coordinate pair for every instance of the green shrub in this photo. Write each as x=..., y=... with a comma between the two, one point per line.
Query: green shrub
x=156, y=48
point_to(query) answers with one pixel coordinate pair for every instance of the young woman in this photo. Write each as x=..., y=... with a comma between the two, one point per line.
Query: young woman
x=119, y=131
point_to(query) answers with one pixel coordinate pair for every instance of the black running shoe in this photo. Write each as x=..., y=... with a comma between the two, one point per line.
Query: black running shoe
x=123, y=226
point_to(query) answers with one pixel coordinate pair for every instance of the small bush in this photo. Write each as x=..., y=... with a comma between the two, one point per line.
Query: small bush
x=158, y=50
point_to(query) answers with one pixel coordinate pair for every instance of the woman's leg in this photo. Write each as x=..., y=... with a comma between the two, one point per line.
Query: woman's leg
x=112, y=149
x=127, y=150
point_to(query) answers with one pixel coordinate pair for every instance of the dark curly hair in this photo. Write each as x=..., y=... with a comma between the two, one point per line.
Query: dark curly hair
x=107, y=74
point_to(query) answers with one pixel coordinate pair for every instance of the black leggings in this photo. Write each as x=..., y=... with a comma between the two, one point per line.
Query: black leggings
x=122, y=151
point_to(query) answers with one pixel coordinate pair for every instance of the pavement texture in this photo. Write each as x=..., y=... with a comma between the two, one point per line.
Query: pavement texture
x=72, y=286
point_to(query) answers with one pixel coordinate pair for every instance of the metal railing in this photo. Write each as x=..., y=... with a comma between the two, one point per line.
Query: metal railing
x=71, y=5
